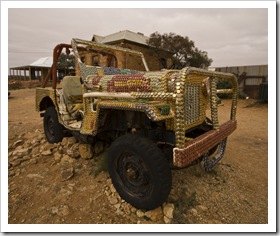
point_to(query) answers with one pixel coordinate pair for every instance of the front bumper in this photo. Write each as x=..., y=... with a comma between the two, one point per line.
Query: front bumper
x=202, y=144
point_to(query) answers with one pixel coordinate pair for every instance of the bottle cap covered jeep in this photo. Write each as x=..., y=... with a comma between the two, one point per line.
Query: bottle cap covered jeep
x=154, y=120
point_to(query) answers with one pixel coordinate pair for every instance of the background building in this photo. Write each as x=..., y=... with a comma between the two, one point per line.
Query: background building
x=35, y=71
x=134, y=41
x=252, y=79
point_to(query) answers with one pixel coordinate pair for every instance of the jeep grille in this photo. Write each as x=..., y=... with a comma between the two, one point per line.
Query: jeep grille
x=192, y=108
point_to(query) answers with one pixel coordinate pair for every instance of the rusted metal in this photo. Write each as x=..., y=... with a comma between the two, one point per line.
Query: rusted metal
x=200, y=145
x=53, y=71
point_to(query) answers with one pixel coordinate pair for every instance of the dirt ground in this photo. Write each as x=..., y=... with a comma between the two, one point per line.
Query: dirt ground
x=235, y=192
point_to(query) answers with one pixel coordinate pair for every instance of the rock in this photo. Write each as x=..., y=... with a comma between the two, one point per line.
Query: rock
x=112, y=188
x=113, y=199
x=126, y=209
x=23, y=152
x=26, y=158
x=193, y=211
x=57, y=156
x=155, y=214
x=66, y=160
x=11, y=173
x=85, y=151
x=68, y=141
x=47, y=153
x=48, y=146
x=133, y=209
x=140, y=213
x=73, y=151
x=117, y=206
x=35, y=142
x=67, y=174
x=15, y=162
x=61, y=211
x=54, y=210
x=168, y=210
x=167, y=220
x=31, y=176
x=64, y=142
x=33, y=161
x=35, y=150
x=17, y=143
x=202, y=208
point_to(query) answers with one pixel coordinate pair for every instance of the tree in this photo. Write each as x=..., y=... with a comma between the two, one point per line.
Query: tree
x=65, y=64
x=182, y=48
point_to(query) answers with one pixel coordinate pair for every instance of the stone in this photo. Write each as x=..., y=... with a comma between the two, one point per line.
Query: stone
x=140, y=213
x=126, y=209
x=168, y=210
x=26, y=158
x=64, y=142
x=35, y=150
x=23, y=152
x=117, y=206
x=11, y=173
x=66, y=160
x=202, y=208
x=31, y=176
x=54, y=210
x=48, y=146
x=57, y=156
x=15, y=162
x=17, y=143
x=67, y=174
x=155, y=214
x=71, y=141
x=113, y=199
x=112, y=188
x=61, y=210
x=85, y=151
x=47, y=153
x=33, y=161
x=193, y=211
x=167, y=220
x=73, y=151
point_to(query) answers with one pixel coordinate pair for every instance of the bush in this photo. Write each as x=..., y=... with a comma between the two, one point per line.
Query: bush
x=224, y=84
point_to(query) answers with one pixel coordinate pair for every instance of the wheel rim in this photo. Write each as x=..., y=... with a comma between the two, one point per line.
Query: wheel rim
x=134, y=175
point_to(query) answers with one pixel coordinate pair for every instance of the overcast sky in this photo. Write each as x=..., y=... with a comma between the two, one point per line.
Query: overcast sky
x=231, y=36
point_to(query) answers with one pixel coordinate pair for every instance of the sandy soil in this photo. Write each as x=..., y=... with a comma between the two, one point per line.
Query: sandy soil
x=236, y=192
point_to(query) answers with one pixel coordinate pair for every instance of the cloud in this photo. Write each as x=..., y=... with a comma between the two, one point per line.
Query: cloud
x=231, y=35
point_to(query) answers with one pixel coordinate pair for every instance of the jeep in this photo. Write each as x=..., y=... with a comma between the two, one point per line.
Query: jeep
x=155, y=121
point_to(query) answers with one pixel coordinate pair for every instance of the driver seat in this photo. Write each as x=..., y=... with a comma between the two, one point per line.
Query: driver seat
x=72, y=93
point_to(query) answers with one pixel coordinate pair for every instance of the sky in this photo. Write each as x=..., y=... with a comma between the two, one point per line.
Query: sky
x=230, y=36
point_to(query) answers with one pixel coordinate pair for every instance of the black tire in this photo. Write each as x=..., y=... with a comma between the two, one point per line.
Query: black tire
x=53, y=129
x=139, y=171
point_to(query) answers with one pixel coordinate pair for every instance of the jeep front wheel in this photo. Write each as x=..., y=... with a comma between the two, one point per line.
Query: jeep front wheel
x=53, y=129
x=139, y=171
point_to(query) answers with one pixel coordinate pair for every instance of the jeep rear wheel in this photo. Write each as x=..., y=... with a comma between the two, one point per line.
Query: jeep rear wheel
x=53, y=129
x=139, y=171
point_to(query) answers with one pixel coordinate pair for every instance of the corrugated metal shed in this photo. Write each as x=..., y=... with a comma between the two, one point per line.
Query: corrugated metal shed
x=250, y=78
x=43, y=62
x=251, y=70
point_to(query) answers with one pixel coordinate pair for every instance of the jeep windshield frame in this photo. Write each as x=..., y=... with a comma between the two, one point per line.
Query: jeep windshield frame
x=79, y=45
x=101, y=48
